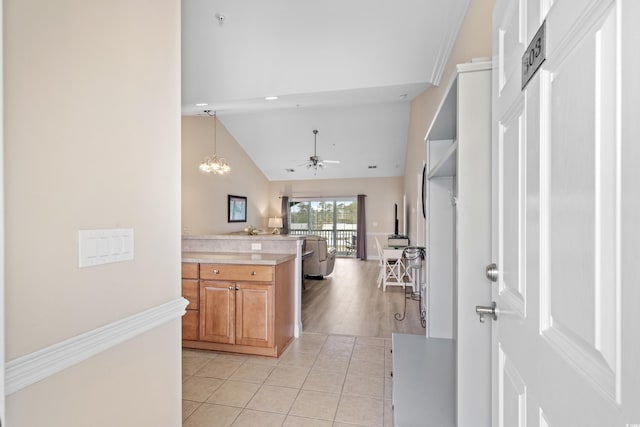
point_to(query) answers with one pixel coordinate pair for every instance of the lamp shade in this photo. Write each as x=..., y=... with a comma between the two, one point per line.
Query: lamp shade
x=275, y=222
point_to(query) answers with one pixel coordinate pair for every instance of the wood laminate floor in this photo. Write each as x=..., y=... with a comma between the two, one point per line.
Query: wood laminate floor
x=348, y=302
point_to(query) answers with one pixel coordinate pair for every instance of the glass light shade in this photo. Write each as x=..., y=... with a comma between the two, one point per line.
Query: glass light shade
x=216, y=165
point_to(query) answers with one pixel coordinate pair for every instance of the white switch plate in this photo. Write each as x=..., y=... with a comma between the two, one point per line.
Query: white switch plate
x=256, y=246
x=104, y=246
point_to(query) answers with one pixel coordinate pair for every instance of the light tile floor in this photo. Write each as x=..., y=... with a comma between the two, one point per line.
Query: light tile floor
x=320, y=380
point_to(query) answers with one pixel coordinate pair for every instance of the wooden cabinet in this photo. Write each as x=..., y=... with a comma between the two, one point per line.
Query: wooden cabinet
x=254, y=315
x=217, y=311
x=190, y=321
x=242, y=272
x=242, y=308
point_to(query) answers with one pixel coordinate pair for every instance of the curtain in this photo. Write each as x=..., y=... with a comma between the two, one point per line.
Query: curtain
x=284, y=212
x=361, y=227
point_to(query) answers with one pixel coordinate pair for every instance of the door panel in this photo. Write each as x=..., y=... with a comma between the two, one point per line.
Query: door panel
x=510, y=45
x=514, y=394
x=581, y=213
x=566, y=345
x=190, y=323
x=254, y=319
x=217, y=311
x=510, y=149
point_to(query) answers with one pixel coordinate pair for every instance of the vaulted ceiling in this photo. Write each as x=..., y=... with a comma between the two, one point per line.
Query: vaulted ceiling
x=348, y=68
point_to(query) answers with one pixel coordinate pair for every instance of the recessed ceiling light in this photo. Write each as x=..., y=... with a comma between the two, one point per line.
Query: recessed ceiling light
x=202, y=104
x=271, y=98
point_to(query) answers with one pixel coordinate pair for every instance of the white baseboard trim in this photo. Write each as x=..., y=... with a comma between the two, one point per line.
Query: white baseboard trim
x=31, y=368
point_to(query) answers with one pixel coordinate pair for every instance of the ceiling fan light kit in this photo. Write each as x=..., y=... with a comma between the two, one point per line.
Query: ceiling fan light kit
x=314, y=161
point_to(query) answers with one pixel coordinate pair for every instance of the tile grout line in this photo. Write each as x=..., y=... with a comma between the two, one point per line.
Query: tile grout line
x=345, y=380
x=317, y=353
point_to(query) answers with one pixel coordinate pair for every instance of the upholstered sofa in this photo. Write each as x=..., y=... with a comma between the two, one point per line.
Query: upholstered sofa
x=320, y=263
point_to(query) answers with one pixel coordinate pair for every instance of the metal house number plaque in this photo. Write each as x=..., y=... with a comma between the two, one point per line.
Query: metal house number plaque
x=534, y=55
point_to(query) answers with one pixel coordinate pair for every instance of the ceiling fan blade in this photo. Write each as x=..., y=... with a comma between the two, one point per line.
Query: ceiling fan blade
x=314, y=161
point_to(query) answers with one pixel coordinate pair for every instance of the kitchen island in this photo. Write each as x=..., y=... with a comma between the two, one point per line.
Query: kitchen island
x=241, y=300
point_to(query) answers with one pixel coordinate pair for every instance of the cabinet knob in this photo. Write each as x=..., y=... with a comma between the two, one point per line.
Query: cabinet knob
x=216, y=271
x=237, y=288
x=230, y=288
x=253, y=273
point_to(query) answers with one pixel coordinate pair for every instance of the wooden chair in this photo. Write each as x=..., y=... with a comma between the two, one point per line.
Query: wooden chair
x=392, y=269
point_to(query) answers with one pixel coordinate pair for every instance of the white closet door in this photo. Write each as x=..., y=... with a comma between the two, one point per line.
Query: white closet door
x=566, y=346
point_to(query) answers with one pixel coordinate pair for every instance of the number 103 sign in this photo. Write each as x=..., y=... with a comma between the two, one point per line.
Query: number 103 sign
x=534, y=55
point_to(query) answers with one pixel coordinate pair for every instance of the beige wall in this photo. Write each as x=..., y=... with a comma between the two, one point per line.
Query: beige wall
x=381, y=194
x=474, y=41
x=204, y=197
x=92, y=140
x=127, y=385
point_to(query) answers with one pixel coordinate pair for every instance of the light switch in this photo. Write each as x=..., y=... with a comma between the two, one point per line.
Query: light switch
x=104, y=246
x=256, y=246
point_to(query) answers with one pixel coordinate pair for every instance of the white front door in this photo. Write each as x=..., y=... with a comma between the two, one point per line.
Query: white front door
x=566, y=152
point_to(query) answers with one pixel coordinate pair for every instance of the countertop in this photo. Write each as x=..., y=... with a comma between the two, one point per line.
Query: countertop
x=236, y=258
x=242, y=235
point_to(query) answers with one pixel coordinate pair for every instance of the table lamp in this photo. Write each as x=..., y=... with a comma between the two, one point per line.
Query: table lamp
x=276, y=224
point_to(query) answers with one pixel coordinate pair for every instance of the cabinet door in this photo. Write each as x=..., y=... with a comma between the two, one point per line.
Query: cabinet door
x=217, y=311
x=190, y=325
x=254, y=314
x=190, y=293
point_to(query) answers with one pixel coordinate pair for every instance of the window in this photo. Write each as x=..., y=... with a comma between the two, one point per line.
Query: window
x=334, y=219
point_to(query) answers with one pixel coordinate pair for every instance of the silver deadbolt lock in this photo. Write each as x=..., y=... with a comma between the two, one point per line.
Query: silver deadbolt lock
x=487, y=311
x=492, y=272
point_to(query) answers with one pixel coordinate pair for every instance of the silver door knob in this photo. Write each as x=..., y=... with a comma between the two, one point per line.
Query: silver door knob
x=492, y=272
x=487, y=311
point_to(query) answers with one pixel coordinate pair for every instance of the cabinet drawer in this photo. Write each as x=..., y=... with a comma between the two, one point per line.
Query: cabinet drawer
x=190, y=292
x=244, y=273
x=189, y=270
x=190, y=325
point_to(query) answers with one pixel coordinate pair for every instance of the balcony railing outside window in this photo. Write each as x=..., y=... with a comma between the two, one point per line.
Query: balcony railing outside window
x=343, y=240
x=333, y=219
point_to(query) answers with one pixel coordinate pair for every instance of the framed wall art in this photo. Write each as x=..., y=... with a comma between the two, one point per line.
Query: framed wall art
x=237, y=208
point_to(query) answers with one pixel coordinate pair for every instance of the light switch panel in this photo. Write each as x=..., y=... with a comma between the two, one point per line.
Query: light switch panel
x=256, y=246
x=104, y=246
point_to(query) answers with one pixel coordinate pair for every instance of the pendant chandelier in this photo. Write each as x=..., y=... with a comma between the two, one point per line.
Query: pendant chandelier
x=214, y=164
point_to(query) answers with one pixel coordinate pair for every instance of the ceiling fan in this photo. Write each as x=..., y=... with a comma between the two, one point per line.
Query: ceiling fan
x=314, y=161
